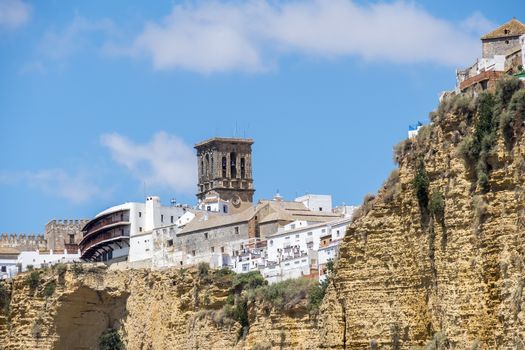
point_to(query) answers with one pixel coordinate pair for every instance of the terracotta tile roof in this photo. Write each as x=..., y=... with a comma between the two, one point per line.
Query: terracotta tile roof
x=510, y=29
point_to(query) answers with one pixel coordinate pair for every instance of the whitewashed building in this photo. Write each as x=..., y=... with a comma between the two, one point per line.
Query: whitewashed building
x=124, y=232
x=8, y=262
x=38, y=259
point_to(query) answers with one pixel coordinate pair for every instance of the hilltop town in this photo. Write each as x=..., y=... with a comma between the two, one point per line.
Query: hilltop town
x=434, y=260
x=280, y=238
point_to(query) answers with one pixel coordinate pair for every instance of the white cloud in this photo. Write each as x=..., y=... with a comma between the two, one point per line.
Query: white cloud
x=250, y=36
x=74, y=187
x=165, y=161
x=14, y=13
x=80, y=34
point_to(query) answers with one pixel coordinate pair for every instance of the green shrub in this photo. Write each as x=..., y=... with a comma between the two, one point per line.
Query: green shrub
x=49, y=288
x=32, y=280
x=391, y=187
x=517, y=104
x=78, y=268
x=60, y=269
x=421, y=184
x=202, y=269
x=5, y=298
x=250, y=280
x=110, y=340
x=286, y=294
x=436, y=206
x=505, y=88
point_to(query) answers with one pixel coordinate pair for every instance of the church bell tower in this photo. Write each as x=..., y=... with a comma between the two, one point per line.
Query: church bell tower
x=225, y=167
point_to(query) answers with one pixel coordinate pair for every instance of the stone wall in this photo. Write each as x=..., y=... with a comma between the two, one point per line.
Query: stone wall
x=23, y=242
x=58, y=233
x=501, y=46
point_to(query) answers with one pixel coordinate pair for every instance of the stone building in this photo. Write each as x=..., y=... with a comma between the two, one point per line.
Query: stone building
x=225, y=167
x=64, y=234
x=502, y=53
x=502, y=39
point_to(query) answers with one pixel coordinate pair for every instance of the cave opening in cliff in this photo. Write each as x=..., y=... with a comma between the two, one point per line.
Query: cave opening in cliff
x=84, y=315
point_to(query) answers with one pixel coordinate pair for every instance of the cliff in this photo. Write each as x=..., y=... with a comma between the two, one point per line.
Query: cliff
x=172, y=309
x=436, y=259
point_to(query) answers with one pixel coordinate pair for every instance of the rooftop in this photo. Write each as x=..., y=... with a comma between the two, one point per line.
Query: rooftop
x=224, y=140
x=510, y=29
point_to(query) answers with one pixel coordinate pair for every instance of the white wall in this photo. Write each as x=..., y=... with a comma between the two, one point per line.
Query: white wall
x=316, y=202
x=37, y=259
x=10, y=267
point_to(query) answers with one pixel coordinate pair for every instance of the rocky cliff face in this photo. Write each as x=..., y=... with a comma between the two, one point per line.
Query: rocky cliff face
x=173, y=309
x=447, y=269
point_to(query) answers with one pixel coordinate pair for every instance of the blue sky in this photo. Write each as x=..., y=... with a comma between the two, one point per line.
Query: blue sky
x=102, y=101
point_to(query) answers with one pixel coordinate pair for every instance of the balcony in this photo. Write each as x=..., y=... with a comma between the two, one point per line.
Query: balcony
x=90, y=245
x=109, y=219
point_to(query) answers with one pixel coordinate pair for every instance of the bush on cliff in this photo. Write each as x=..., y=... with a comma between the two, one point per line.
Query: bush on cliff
x=4, y=298
x=110, y=340
x=32, y=280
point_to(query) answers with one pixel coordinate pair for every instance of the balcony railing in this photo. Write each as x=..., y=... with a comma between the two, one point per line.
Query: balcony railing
x=95, y=224
x=102, y=237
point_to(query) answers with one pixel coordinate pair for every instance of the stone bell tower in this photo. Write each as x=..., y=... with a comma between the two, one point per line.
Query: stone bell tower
x=225, y=167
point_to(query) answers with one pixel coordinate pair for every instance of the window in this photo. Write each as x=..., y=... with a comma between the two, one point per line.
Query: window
x=193, y=252
x=233, y=165
x=337, y=233
x=287, y=264
x=292, y=226
x=506, y=41
x=236, y=230
x=4, y=268
x=320, y=208
x=223, y=166
x=271, y=243
x=296, y=236
x=225, y=208
x=140, y=214
x=140, y=229
x=296, y=262
x=288, y=237
x=213, y=249
x=222, y=249
x=245, y=267
x=205, y=235
x=162, y=218
x=208, y=208
x=72, y=238
x=170, y=242
x=323, y=230
x=309, y=233
x=172, y=219
x=243, y=171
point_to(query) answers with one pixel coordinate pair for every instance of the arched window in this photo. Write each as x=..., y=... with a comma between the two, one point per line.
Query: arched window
x=223, y=166
x=207, y=170
x=233, y=165
x=243, y=170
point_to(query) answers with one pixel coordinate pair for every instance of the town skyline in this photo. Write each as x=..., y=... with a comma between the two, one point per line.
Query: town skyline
x=96, y=112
